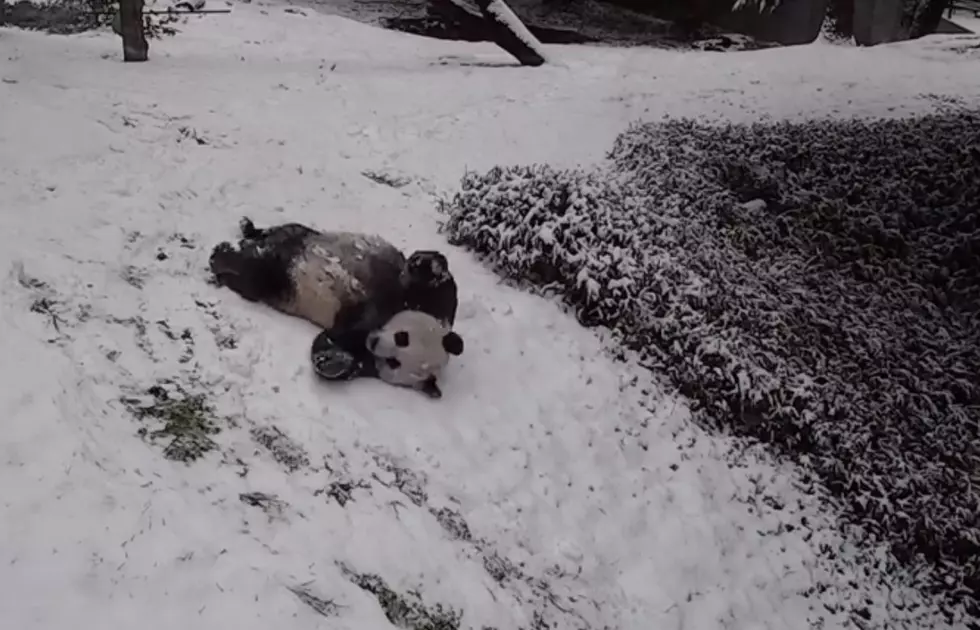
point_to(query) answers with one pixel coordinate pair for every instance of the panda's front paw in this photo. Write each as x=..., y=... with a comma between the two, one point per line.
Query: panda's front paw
x=430, y=387
x=334, y=366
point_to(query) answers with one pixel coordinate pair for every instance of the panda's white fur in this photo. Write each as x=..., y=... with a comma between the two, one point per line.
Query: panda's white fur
x=339, y=269
x=412, y=349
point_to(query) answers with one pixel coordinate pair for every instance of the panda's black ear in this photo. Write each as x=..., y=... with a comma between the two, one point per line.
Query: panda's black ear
x=452, y=343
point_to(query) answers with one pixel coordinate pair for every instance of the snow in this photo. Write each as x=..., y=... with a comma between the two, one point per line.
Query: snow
x=118, y=179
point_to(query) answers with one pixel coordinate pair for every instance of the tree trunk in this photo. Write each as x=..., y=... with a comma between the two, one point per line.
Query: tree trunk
x=841, y=14
x=509, y=33
x=879, y=21
x=135, y=46
x=925, y=18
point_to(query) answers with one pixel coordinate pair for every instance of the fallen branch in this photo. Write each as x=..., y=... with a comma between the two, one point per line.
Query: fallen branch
x=449, y=19
x=509, y=33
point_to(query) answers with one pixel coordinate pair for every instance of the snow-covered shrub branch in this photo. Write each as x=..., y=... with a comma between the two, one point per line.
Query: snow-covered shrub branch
x=762, y=5
x=815, y=286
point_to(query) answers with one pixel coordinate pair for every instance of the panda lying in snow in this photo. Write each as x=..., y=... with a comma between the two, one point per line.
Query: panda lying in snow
x=382, y=316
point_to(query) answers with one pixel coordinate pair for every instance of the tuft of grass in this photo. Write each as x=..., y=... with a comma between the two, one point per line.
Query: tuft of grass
x=323, y=607
x=268, y=503
x=406, y=611
x=453, y=523
x=387, y=179
x=283, y=448
x=343, y=491
x=408, y=482
x=187, y=422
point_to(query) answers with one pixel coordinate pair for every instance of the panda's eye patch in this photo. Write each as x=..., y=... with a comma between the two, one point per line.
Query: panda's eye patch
x=401, y=339
x=393, y=363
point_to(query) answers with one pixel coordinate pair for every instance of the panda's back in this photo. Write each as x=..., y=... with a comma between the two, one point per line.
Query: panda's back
x=346, y=276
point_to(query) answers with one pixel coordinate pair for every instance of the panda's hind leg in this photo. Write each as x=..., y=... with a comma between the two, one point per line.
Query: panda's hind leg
x=330, y=362
x=249, y=273
x=248, y=229
x=228, y=266
x=341, y=357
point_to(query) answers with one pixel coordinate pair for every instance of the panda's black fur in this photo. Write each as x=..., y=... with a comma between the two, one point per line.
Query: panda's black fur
x=429, y=286
x=347, y=283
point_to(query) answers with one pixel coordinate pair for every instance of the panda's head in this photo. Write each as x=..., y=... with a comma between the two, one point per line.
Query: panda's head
x=411, y=350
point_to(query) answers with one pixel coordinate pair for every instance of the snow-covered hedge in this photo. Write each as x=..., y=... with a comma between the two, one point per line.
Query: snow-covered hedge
x=816, y=286
x=566, y=231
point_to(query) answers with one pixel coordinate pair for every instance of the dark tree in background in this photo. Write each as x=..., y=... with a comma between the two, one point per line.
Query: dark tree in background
x=882, y=21
x=918, y=17
x=135, y=46
x=840, y=14
x=786, y=21
x=891, y=20
x=922, y=17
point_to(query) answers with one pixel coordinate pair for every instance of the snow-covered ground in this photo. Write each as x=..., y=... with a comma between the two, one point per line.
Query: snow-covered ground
x=589, y=499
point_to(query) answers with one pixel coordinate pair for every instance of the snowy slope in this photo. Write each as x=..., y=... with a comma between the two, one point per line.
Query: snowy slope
x=589, y=502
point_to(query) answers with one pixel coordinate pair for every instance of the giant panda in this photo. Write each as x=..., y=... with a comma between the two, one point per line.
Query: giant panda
x=350, y=285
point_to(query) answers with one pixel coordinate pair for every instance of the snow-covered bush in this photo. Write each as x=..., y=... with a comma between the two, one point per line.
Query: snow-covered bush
x=565, y=231
x=815, y=286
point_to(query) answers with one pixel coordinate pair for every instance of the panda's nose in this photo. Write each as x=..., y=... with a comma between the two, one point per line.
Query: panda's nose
x=372, y=342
